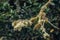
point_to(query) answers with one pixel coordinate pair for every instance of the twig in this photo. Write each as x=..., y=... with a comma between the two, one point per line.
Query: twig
x=53, y=25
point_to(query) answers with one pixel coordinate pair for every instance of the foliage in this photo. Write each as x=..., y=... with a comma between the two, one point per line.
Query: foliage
x=11, y=10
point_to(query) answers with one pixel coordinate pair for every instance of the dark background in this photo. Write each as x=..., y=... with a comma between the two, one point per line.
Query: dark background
x=11, y=10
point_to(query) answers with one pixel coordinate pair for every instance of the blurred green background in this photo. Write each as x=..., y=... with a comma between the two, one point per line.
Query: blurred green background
x=11, y=10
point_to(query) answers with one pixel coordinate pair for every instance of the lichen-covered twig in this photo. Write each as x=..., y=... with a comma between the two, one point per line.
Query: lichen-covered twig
x=40, y=23
x=18, y=24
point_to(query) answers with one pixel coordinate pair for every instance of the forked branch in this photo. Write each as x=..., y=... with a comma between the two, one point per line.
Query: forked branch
x=40, y=23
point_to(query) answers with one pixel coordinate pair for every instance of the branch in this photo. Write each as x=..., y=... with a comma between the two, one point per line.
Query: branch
x=53, y=25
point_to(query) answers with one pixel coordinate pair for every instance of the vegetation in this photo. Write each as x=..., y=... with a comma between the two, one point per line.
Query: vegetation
x=29, y=20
